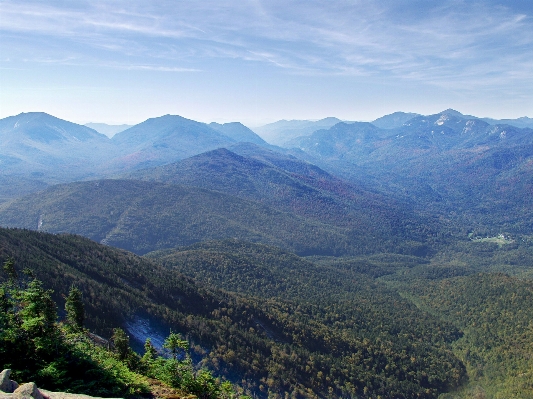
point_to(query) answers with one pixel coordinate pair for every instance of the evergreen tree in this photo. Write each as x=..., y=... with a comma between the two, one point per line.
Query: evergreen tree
x=9, y=269
x=122, y=343
x=38, y=316
x=174, y=342
x=150, y=353
x=74, y=309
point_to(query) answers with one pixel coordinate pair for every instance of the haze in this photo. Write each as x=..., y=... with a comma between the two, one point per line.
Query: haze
x=259, y=61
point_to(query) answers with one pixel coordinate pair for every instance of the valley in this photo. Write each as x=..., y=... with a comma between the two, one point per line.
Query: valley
x=302, y=259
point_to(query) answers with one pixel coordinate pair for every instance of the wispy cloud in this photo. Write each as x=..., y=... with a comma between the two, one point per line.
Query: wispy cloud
x=451, y=43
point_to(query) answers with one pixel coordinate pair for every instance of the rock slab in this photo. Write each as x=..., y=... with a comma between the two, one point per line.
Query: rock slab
x=9, y=389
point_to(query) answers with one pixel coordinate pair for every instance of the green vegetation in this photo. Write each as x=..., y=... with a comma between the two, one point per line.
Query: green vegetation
x=63, y=357
x=495, y=313
x=269, y=346
x=38, y=349
x=340, y=311
x=146, y=216
x=491, y=313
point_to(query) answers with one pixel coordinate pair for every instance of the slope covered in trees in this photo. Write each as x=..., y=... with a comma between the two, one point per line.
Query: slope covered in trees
x=145, y=216
x=65, y=356
x=495, y=312
x=291, y=186
x=461, y=287
x=271, y=346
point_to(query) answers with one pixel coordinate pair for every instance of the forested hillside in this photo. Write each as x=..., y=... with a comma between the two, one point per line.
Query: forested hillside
x=495, y=313
x=461, y=287
x=145, y=216
x=272, y=345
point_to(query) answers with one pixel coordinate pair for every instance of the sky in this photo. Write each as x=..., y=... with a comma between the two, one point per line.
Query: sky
x=124, y=61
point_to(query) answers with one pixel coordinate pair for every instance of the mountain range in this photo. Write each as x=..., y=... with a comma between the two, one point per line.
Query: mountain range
x=390, y=181
x=389, y=258
x=278, y=133
x=444, y=163
x=43, y=150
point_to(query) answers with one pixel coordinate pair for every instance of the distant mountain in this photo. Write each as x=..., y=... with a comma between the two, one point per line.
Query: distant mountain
x=238, y=132
x=278, y=157
x=225, y=171
x=253, y=176
x=296, y=187
x=280, y=132
x=165, y=139
x=444, y=162
x=108, y=130
x=144, y=216
x=393, y=120
x=342, y=140
x=40, y=145
x=523, y=122
x=450, y=129
x=363, y=142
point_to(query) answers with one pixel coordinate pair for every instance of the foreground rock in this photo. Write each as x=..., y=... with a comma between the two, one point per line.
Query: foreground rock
x=9, y=389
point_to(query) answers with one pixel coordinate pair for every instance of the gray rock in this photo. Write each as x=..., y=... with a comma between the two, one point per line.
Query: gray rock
x=64, y=395
x=9, y=389
x=7, y=385
x=27, y=391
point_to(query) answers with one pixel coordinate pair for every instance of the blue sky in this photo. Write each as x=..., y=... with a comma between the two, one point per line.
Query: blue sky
x=259, y=61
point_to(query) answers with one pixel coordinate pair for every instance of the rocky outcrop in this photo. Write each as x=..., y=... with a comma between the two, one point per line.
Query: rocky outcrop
x=9, y=389
x=7, y=385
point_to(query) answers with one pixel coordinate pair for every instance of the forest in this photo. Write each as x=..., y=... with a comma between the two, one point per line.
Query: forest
x=270, y=321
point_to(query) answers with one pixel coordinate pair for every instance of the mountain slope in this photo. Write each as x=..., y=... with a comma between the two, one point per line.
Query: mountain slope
x=144, y=216
x=465, y=170
x=238, y=132
x=302, y=189
x=270, y=347
x=523, y=122
x=343, y=141
x=394, y=120
x=165, y=139
x=37, y=145
x=495, y=313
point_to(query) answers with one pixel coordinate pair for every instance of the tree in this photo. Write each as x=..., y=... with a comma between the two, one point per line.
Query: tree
x=74, y=309
x=150, y=353
x=174, y=342
x=9, y=269
x=38, y=315
x=122, y=343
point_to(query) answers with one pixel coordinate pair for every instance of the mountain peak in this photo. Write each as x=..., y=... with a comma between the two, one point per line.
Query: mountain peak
x=394, y=120
x=453, y=112
x=45, y=128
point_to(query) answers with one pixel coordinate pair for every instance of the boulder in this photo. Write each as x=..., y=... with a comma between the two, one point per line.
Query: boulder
x=27, y=391
x=7, y=385
x=9, y=389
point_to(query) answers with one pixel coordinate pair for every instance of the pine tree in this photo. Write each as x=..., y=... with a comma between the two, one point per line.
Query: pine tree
x=122, y=343
x=74, y=309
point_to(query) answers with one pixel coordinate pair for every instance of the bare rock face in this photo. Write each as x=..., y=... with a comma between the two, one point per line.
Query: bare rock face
x=9, y=389
x=7, y=385
x=27, y=391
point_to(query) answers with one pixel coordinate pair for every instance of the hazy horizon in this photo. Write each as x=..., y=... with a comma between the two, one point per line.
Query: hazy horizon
x=258, y=62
